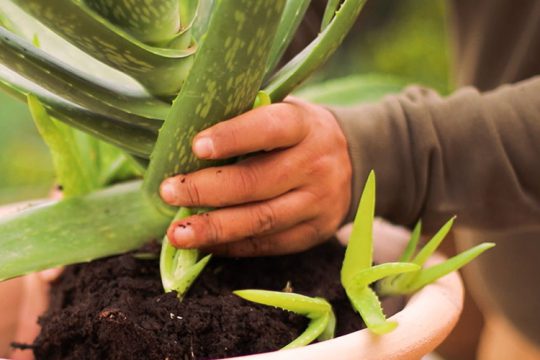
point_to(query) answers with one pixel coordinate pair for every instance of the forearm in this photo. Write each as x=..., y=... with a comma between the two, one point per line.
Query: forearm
x=471, y=154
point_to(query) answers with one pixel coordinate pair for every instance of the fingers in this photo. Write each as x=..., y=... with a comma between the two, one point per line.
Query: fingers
x=250, y=180
x=235, y=223
x=262, y=129
x=299, y=238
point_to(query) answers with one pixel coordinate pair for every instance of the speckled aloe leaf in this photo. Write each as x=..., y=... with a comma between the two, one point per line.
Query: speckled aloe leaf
x=160, y=70
x=133, y=139
x=315, y=54
x=79, y=229
x=150, y=21
x=322, y=319
x=223, y=83
x=86, y=90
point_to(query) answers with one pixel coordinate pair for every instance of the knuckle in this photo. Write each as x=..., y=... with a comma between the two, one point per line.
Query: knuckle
x=264, y=218
x=191, y=190
x=214, y=229
x=246, y=179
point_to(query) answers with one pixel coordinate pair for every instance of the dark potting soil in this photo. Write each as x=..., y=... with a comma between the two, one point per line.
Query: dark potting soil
x=115, y=308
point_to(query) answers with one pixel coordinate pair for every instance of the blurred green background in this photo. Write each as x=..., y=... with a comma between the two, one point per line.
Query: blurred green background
x=402, y=39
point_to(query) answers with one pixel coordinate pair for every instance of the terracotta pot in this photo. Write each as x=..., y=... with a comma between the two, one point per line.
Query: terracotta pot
x=424, y=323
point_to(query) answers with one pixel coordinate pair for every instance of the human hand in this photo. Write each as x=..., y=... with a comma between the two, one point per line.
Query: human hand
x=289, y=196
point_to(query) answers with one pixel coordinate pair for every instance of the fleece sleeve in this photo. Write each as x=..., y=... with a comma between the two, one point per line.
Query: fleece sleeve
x=475, y=155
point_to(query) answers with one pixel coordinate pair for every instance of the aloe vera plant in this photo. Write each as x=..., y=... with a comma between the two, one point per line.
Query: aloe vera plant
x=211, y=57
x=195, y=63
x=404, y=277
x=319, y=311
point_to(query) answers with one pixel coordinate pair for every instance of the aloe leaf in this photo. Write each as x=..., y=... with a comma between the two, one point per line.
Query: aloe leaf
x=160, y=70
x=131, y=138
x=83, y=89
x=292, y=16
x=223, y=83
x=431, y=274
x=323, y=321
x=179, y=268
x=365, y=301
x=368, y=276
x=329, y=12
x=299, y=304
x=188, y=12
x=315, y=54
x=359, y=253
x=401, y=283
x=75, y=178
x=79, y=229
x=433, y=243
x=412, y=244
x=121, y=168
x=182, y=283
x=320, y=328
x=150, y=21
x=202, y=18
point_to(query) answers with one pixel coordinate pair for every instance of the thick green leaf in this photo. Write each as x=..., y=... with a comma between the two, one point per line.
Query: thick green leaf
x=65, y=81
x=133, y=139
x=315, y=54
x=179, y=268
x=359, y=253
x=292, y=16
x=75, y=178
x=368, y=276
x=366, y=302
x=432, y=274
x=160, y=70
x=321, y=328
x=434, y=243
x=412, y=244
x=223, y=83
x=80, y=229
x=323, y=321
x=299, y=304
x=150, y=21
x=329, y=12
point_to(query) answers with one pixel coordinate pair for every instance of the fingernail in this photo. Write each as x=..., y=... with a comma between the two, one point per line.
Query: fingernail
x=167, y=191
x=183, y=235
x=203, y=147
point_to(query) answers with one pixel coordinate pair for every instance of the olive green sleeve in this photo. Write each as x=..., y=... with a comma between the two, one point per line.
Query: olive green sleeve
x=473, y=155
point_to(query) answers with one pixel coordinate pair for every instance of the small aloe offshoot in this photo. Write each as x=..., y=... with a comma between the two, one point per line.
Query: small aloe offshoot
x=322, y=319
x=179, y=268
x=403, y=284
x=398, y=278
x=358, y=273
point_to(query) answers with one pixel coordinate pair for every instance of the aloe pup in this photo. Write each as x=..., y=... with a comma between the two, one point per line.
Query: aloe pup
x=404, y=277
